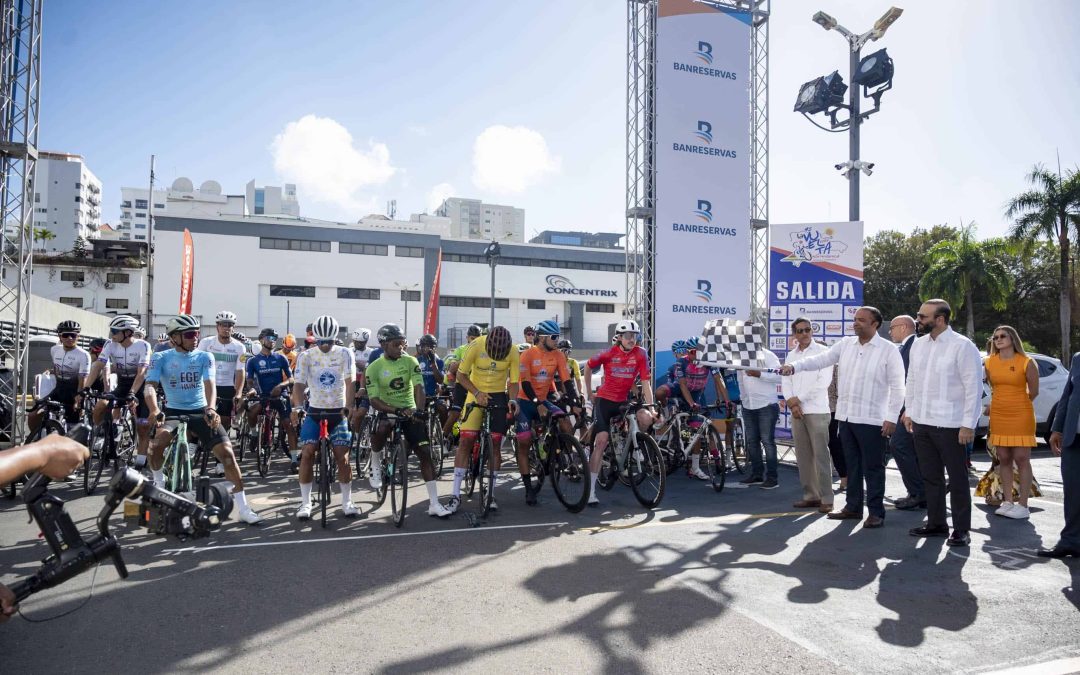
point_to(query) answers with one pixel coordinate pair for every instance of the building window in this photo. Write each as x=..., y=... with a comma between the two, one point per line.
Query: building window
x=139, y=236
x=125, y=204
x=78, y=198
x=37, y=197
x=599, y=307
x=411, y=296
x=125, y=214
x=537, y=262
x=140, y=203
x=292, y=291
x=363, y=249
x=73, y=302
x=116, y=303
x=537, y=304
x=72, y=275
x=294, y=245
x=140, y=215
x=358, y=293
x=159, y=206
x=409, y=251
x=140, y=226
x=78, y=186
x=458, y=301
x=118, y=277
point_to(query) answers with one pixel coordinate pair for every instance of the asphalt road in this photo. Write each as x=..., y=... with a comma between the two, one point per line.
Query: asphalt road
x=710, y=582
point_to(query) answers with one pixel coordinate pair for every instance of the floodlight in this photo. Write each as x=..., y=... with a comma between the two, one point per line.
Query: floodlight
x=821, y=94
x=825, y=21
x=887, y=19
x=874, y=70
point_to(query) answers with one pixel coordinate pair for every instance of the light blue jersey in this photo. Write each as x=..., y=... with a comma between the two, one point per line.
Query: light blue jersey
x=181, y=376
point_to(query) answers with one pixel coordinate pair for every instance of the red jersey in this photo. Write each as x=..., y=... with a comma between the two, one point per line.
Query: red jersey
x=538, y=367
x=621, y=370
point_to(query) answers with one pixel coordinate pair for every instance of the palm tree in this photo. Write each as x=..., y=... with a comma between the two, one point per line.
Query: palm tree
x=958, y=267
x=43, y=235
x=1046, y=211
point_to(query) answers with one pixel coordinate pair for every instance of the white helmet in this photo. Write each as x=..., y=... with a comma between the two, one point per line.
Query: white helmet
x=124, y=322
x=225, y=316
x=325, y=328
x=138, y=332
x=361, y=335
x=627, y=326
x=181, y=322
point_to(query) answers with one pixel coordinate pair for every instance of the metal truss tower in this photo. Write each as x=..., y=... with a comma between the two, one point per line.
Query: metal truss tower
x=20, y=62
x=641, y=153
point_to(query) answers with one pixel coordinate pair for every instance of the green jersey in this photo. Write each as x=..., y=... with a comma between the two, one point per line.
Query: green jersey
x=459, y=353
x=392, y=381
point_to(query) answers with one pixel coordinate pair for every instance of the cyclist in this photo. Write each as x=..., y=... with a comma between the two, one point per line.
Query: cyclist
x=98, y=386
x=565, y=346
x=623, y=365
x=361, y=356
x=538, y=367
x=327, y=373
x=457, y=396
x=432, y=369
x=669, y=383
x=288, y=350
x=129, y=359
x=490, y=374
x=530, y=339
x=70, y=366
x=186, y=375
x=396, y=387
x=227, y=351
x=692, y=378
x=269, y=375
x=162, y=343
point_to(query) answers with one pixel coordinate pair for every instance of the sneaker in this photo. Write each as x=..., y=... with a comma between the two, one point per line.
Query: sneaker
x=218, y=470
x=593, y=501
x=437, y=510
x=530, y=496
x=452, y=504
x=698, y=473
x=1017, y=512
x=376, y=479
x=304, y=512
x=249, y=516
x=1004, y=509
x=494, y=505
x=752, y=480
x=349, y=511
x=770, y=484
x=294, y=467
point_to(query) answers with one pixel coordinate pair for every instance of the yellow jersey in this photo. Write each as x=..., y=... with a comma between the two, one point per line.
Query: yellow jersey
x=575, y=369
x=486, y=374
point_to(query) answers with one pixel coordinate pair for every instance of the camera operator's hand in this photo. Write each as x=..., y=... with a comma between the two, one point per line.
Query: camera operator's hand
x=55, y=456
x=7, y=603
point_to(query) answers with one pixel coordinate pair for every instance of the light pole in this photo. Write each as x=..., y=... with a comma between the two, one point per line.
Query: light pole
x=405, y=288
x=825, y=94
x=492, y=253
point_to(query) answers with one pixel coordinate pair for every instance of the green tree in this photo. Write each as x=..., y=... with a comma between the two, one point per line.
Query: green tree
x=957, y=268
x=1047, y=210
x=78, y=248
x=43, y=235
x=1034, y=296
x=893, y=264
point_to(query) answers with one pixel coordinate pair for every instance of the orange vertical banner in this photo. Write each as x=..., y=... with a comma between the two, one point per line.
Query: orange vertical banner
x=187, y=273
x=431, y=319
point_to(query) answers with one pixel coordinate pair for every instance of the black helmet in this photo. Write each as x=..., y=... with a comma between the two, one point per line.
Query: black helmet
x=390, y=332
x=473, y=331
x=69, y=326
x=98, y=343
x=498, y=343
x=429, y=340
x=528, y=329
x=267, y=332
x=566, y=344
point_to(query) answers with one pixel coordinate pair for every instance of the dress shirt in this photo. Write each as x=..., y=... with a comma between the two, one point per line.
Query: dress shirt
x=944, y=382
x=758, y=392
x=870, y=386
x=811, y=387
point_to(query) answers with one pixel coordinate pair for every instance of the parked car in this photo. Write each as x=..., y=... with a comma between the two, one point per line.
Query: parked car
x=1052, y=379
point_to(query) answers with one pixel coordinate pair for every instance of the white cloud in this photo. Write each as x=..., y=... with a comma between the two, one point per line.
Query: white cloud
x=438, y=194
x=511, y=159
x=317, y=154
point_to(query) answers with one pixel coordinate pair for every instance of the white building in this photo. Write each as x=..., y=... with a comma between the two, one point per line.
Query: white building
x=282, y=274
x=473, y=219
x=271, y=200
x=180, y=199
x=111, y=280
x=67, y=200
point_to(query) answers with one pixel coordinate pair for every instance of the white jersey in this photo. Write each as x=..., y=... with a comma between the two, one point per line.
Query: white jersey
x=228, y=359
x=70, y=364
x=126, y=361
x=362, y=357
x=325, y=375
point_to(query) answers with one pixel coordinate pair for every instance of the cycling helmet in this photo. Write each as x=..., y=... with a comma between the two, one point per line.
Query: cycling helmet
x=362, y=335
x=678, y=346
x=124, y=322
x=522, y=347
x=498, y=343
x=693, y=342
x=225, y=316
x=429, y=340
x=548, y=327
x=528, y=329
x=565, y=344
x=627, y=326
x=139, y=332
x=267, y=332
x=162, y=337
x=325, y=328
x=69, y=326
x=239, y=337
x=182, y=322
x=473, y=331
x=289, y=341
x=97, y=344
x=390, y=332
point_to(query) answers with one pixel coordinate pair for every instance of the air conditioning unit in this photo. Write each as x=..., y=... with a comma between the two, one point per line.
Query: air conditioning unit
x=77, y=284
x=108, y=285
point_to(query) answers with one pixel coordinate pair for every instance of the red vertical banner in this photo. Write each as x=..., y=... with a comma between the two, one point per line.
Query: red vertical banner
x=431, y=319
x=187, y=273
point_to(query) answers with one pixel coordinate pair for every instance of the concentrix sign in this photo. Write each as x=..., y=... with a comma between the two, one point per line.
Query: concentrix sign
x=560, y=285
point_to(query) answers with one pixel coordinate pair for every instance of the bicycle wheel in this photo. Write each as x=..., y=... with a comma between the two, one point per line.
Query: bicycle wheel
x=436, y=445
x=95, y=463
x=570, y=472
x=473, y=470
x=645, y=470
x=124, y=441
x=399, y=482
x=264, y=434
x=326, y=464
x=243, y=438
x=609, y=469
x=738, y=451
x=536, y=468
x=670, y=445
x=717, y=453
x=486, y=475
x=362, y=447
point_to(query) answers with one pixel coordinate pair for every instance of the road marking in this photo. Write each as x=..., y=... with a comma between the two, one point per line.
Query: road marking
x=323, y=540
x=1059, y=667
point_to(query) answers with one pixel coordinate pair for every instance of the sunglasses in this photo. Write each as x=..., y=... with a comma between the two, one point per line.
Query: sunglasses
x=69, y=336
x=800, y=331
x=189, y=334
x=323, y=343
x=1001, y=337
x=114, y=331
x=270, y=337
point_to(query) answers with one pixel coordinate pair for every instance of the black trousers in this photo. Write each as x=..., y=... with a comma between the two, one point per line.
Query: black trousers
x=939, y=450
x=836, y=448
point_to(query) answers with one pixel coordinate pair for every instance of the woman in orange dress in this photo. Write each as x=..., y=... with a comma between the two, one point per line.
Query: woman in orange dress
x=1014, y=378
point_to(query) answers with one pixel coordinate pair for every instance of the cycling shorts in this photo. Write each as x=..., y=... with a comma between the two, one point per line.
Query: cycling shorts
x=499, y=406
x=209, y=437
x=282, y=405
x=65, y=392
x=123, y=390
x=337, y=426
x=414, y=430
x=224, y=405
x=529, y=411
x=604, y=410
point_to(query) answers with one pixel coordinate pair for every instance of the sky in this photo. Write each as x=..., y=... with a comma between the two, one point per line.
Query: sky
x=361, y=102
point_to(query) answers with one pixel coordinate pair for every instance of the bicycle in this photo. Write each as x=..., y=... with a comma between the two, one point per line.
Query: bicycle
x=737, y=445
x=324, y=461
x=437, y=445
x=361, y=446
x=113, y=442
x=269, y=433
x=52, y=423
x=561, y=456
x=481, y=469
x=395, y=469
x=679, y=438
x=177, y=465
x=633, y=457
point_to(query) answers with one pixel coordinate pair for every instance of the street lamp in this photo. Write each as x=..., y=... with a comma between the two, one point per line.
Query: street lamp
x=874, y=75
x=405, y=289
x=492, y=253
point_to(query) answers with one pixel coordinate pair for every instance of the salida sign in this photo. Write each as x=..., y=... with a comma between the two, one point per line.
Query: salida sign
x=560, y=285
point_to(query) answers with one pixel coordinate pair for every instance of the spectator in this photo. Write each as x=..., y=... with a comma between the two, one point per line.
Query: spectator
x=760, y=410
x=902, y=332
x=836, y=449
x=1065, y=442
x=807, y=397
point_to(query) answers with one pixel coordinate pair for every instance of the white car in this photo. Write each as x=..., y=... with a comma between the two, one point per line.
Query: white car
x=1052, y=379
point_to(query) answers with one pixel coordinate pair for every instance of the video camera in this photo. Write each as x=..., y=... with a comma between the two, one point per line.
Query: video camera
x=162, y=512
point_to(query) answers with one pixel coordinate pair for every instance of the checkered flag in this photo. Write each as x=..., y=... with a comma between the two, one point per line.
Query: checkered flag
x=727, y=343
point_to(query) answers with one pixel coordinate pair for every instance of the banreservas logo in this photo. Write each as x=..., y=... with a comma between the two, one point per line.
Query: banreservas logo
x=703, y=212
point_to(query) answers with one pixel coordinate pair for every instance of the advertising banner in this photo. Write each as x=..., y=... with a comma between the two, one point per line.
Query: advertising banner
x=187, y=273
x=702, y=170
x=815, y=272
